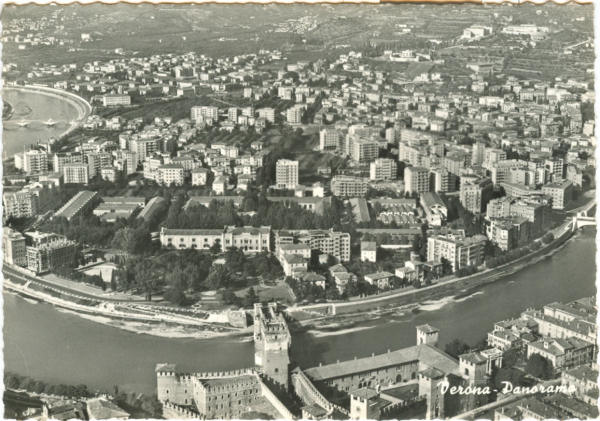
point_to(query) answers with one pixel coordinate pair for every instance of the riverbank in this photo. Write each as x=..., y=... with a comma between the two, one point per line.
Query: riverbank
x=7, y=110
x=131, y=318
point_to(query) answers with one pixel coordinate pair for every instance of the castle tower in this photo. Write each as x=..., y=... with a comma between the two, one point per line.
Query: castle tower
x=272, y=342
x=473, y=367
x=362, y=404
x=427, y=334
x=429, y=386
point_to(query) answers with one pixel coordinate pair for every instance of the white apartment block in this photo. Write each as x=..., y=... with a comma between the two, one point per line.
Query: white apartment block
x=144, y=147
x=329, y=140
x=35, y=162
x=460, y=251
x=383, y=169
x=294, y=114
x=286, y=174
x=20, y=204
x=349, y=186
x=204, y=112
x=60, y=159
x=363, y=150
x=170, y=174
x=267, y=113
x=75, y=173
x=115, y=100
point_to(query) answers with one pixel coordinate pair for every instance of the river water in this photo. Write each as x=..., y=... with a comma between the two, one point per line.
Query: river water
x=35, y=109
x=50, y=345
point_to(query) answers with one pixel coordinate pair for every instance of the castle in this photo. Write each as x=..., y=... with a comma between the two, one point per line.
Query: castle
x=369, y=382
x=229, y=394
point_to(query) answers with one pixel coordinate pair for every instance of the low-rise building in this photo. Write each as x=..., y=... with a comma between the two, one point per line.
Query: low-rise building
x=562, y=353
x=247, y=239
x=293, y=264
x=77, y=205
x=435, y=209
x=199, y=176
x=368, y=251
x=381, y=279
x=583, y=380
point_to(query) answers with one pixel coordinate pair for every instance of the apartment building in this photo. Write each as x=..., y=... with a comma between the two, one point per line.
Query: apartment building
x=560, y=192
x=383, y=169
x=60, y=159
x=416, y=180
x=75, y=173
x=363, y=150
x=329, y=140
x=475, y=193
x=49, y=251
x=112, y=100
x=170, y=174
x=349, y=186
x=286, y=174
x=13, y=247
x=204, y=112
x=35, y=162
x=334, y=243
x=459, y=250
x=20, y=204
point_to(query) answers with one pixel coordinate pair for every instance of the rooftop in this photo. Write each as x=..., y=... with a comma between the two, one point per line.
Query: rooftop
x=205, y=231
x=425, y=355
x=103, y=409
x=73, y=206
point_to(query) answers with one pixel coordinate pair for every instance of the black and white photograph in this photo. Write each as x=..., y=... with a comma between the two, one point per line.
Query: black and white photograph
x=375, y=211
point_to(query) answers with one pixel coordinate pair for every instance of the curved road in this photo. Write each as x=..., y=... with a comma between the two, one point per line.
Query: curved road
x=13, y=273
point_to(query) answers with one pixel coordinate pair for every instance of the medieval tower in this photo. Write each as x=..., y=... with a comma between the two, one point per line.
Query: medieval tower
x=272, y=342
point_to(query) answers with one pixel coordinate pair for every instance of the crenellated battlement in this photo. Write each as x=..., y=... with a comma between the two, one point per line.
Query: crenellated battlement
x=171, y=410
x=188, y=377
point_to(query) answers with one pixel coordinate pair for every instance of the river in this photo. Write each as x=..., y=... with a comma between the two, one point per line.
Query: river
x=35, y=109
x=50, y=345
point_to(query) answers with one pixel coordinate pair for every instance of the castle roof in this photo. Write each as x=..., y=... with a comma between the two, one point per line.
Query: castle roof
x=424, y=355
